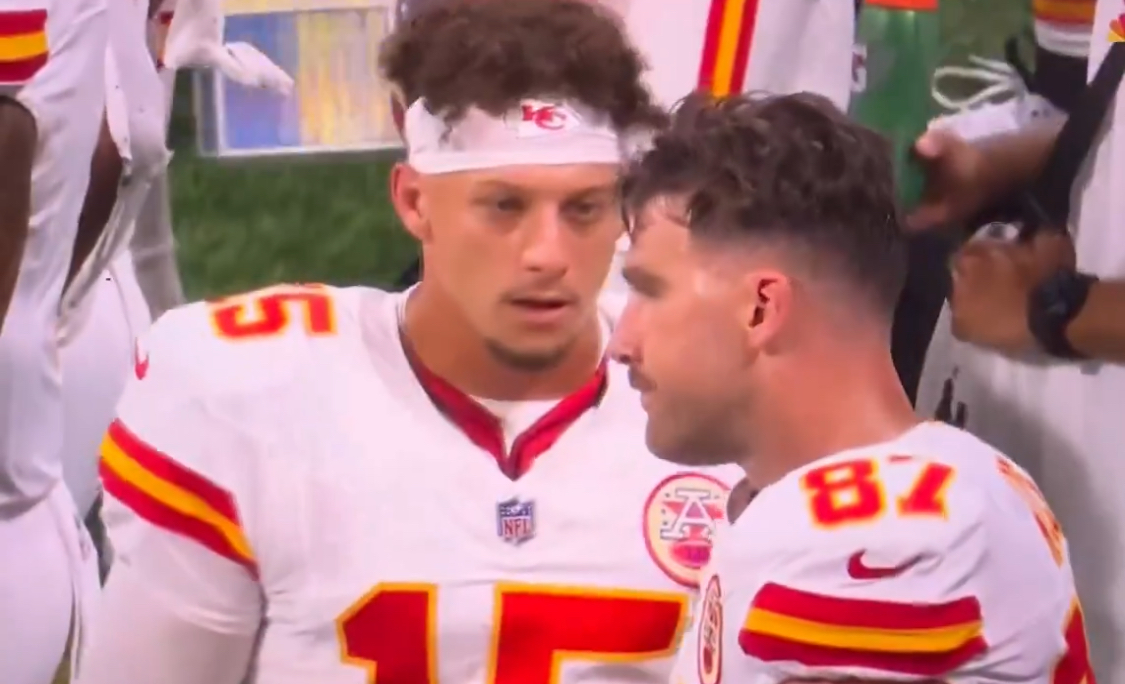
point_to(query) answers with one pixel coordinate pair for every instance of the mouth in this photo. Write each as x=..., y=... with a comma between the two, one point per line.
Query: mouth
x=542, y=310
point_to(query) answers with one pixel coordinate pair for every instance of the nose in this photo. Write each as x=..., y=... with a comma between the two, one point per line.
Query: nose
x=624, y=341
x=545, y=249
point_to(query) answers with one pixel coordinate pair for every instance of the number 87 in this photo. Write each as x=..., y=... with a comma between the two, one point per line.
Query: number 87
x=851, y=492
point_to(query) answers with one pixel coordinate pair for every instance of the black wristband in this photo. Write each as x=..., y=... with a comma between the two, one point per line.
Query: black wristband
x=1052, y=305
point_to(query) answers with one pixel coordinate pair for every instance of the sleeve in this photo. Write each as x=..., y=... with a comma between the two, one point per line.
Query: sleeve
x=176, y=469
x=148, y=633
x=23, y=43
x=51, y=54
x=891, y=601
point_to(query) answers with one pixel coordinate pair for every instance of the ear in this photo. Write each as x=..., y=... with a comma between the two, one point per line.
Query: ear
x=769, y=301
x=409, y=201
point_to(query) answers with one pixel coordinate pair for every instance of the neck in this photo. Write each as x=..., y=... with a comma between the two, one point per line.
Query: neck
x=856, y=400
x=446, y=344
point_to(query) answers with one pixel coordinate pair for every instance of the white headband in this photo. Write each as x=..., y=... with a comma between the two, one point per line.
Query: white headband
x=538, y=133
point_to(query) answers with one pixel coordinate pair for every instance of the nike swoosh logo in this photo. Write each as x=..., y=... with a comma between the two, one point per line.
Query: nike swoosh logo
x=859, y=570
x=140, y=365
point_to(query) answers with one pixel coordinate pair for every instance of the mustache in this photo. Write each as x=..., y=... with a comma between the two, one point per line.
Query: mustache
x=639, y=381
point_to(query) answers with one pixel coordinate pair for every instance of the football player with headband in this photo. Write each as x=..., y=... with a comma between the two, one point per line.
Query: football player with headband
x=730, y=46
x=450, y=484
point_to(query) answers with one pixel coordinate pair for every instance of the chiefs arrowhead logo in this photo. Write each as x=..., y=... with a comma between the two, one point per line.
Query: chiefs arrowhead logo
x=140, y=361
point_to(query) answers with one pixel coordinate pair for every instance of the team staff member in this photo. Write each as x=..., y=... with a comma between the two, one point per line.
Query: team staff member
x=1062, y=299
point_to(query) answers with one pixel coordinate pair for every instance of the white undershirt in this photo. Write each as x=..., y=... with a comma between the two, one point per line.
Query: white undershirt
x=516, y=416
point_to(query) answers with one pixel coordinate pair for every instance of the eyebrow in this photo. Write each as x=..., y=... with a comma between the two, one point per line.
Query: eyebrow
x=600, y=189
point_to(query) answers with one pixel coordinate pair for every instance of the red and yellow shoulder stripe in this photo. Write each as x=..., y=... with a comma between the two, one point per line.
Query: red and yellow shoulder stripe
x=172, y=496
x=726, y=46
x=928, y=640
x=23, y=44
x=1078, y=12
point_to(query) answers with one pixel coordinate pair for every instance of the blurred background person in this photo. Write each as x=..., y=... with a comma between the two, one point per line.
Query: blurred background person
x=960, y=383
x=104, y=309
x=51, y=99
x=104, y=306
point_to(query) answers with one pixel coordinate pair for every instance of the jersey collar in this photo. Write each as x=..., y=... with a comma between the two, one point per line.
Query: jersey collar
x=485, y=430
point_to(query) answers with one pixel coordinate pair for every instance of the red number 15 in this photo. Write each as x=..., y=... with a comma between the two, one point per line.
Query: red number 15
x=392, y=631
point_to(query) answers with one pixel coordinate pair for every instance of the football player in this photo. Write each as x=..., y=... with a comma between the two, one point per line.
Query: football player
x=51, y=98
x=767, y=247
x=731, y=46
x=451, y=484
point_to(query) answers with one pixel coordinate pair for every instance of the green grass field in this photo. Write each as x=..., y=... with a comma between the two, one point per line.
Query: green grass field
x=243, y=227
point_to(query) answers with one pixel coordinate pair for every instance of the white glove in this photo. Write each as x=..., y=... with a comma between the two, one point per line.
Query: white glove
x=195, y=40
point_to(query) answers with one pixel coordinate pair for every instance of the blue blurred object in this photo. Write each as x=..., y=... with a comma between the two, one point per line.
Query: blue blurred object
x=339, y=103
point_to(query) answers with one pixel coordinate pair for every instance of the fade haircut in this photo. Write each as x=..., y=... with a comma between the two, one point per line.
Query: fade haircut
x=789, y=169
x=492, y=54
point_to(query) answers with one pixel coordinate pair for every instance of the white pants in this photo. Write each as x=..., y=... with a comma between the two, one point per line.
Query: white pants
x=96, y=362
x=48, y=572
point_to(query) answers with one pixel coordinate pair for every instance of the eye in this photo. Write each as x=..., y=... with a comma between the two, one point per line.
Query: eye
x=642, y=285
x=641, y=291
x=508, y=205
x=586, y=211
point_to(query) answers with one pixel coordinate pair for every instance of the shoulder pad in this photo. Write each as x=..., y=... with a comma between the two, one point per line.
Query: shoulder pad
x=881, y=547
x=908, y=501
x=247, y=341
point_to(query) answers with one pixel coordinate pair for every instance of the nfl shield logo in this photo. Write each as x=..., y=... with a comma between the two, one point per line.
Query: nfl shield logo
x=515, y=520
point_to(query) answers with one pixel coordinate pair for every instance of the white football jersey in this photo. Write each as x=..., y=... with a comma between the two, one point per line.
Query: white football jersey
x=927, y=558
x=51, y=57
x=735, y=46
x=381, y=514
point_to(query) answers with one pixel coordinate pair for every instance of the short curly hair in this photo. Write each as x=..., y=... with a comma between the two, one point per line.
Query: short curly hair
x=492, y=54
x=781, y=167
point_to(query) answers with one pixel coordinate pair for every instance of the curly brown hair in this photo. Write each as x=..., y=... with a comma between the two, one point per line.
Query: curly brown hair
x=790, y=168
x=493, y=53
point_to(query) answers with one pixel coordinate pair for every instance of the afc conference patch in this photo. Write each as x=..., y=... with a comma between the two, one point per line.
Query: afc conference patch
x=515, y=521
x=680, y=518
